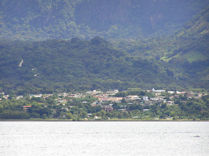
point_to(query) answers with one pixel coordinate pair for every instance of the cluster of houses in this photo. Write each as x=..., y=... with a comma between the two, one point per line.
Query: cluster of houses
x=107, y=99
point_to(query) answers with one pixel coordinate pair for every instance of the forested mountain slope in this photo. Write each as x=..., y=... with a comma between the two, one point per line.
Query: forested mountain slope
x=64, y=19
x=186, y=52
x=58, y=65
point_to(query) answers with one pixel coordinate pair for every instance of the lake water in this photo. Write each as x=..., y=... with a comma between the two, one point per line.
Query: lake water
x=104, y=138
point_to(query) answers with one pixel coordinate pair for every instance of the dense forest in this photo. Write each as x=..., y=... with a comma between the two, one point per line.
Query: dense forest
x=76, y=64
x=58, y=65
x=117, y=19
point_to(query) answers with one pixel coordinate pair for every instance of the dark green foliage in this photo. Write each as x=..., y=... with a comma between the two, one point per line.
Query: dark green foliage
x=185, y=53
x=57, y=65
x=134, y=107
x=14, y=115
x=64, y=19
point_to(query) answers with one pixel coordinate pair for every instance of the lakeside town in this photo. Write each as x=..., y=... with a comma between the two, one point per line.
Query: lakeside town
x=106, y=105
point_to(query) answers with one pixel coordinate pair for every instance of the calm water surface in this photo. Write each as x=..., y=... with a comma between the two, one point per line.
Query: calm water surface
x=104, y=138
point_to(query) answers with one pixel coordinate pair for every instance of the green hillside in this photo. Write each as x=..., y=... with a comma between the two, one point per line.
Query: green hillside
x=65, y=19
x=186, y=52
x=57, y=65
x=75, y=64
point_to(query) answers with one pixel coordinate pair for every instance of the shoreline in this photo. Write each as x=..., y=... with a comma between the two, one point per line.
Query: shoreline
x=59, y=120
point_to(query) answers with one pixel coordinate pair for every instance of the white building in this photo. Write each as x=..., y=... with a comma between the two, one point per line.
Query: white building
x=171, y=92
x=145, y=98
x=132, y=97
x=157, y=91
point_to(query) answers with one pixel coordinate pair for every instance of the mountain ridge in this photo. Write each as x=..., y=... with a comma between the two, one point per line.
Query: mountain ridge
x=40, y=20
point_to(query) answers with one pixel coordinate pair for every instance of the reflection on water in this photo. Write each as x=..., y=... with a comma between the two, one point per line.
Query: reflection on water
x=104, y=138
